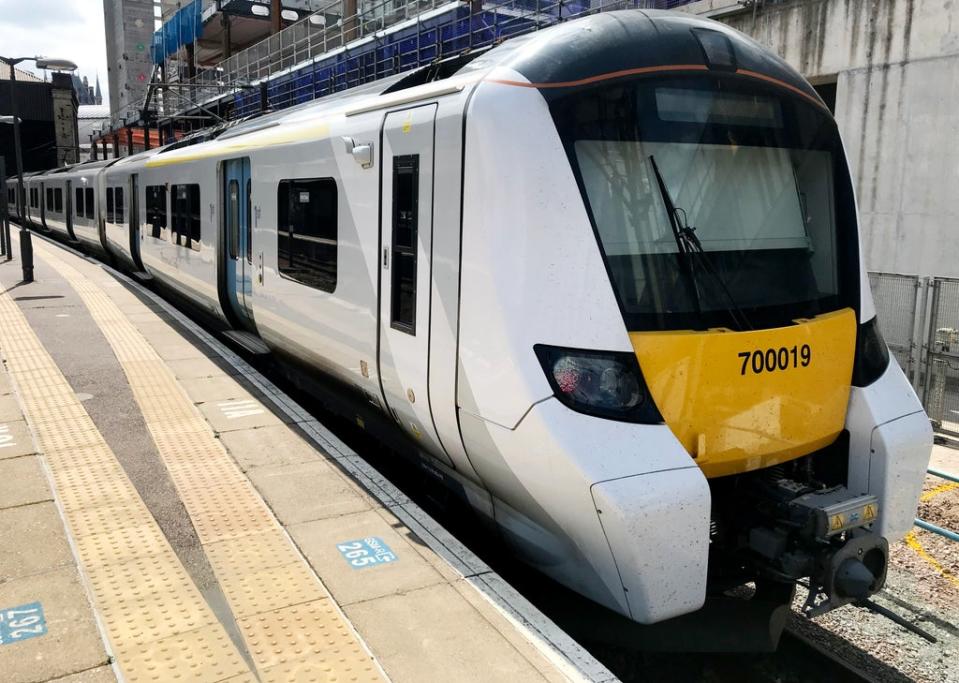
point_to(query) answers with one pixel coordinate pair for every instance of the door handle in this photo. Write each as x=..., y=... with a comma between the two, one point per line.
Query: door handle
x=386, y=258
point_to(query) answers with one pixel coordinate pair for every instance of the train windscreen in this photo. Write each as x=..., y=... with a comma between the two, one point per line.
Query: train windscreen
x=717, y=202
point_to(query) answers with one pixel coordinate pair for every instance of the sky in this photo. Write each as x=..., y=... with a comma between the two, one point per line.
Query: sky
x=64, y=29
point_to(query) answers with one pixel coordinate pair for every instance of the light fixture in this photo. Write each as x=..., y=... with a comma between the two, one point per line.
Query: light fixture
x=56, y=64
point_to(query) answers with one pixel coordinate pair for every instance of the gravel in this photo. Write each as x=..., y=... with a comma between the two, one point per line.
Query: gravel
x=922, y=586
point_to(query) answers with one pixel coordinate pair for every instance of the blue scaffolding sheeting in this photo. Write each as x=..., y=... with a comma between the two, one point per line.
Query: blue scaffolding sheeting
x=403, y=48
x=182, y=29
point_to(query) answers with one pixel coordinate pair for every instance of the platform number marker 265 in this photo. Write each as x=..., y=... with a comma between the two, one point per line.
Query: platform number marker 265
x=21, y=623
x=366, y=552
x=772, y=360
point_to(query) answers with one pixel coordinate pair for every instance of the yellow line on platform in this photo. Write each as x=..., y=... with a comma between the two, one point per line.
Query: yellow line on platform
x=293, y=628
x=158, y=624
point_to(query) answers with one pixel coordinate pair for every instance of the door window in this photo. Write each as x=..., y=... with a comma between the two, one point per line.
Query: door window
x=156, y=210
x=89, y=202
x=234, y=214
x=78, y=202
x=406, y=171
x=249, y=222
x=307, y=231
x=186, y=215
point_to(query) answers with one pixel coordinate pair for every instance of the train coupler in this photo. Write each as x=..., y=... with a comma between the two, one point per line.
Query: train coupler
x=823, y=534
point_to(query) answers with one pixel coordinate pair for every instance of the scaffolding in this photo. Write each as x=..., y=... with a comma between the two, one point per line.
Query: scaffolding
x=328, y=52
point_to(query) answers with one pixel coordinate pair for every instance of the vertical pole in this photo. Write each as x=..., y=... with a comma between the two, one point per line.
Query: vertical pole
x=4, y=213
x=26, y=245
x=146, y=132
x=931, y=342
x=276, y=16
x=227, y=24
x=116, y=145
x=129, y=130
x=103, y=141
x=93, y=148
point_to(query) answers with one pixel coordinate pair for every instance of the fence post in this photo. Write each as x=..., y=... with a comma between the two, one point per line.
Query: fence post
x=930, y=340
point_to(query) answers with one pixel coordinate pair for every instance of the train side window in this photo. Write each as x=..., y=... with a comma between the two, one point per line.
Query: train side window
x=90, y=202
x=406, y=175
x=307, y=228
x=58, y=200
x=186, y=215
x=118, y=211
x=109, y=205
x=78, y=202
x=49, y=205
x=157, y=211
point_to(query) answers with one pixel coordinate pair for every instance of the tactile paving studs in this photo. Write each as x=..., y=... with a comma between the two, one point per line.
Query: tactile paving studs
x=271, y=589
x=313, y=632
x=141, y=590
x=288, y=611
x=202, y=655
x=252, y=553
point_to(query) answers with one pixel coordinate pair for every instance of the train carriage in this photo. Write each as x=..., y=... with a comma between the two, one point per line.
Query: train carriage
x=605, y=277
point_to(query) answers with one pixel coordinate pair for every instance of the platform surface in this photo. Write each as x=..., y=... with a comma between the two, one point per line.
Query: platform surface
x=169, y=515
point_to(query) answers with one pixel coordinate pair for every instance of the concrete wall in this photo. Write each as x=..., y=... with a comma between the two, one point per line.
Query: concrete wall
x=129, y=33
x=896, y=64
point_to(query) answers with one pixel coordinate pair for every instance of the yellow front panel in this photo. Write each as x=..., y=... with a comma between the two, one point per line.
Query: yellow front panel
x=739, y=401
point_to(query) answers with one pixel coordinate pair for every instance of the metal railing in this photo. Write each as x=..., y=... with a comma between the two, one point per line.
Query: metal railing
x=327, y=52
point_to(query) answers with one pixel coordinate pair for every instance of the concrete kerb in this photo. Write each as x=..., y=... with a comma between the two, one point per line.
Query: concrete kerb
x=574, y=661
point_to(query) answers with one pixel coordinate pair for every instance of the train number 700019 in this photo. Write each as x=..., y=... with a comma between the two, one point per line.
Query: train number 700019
x=771, y=360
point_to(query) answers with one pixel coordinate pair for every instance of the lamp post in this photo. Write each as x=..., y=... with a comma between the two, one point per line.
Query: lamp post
x=26, y=244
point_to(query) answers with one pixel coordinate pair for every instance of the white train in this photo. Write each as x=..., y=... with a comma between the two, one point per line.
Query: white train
x=606, y=278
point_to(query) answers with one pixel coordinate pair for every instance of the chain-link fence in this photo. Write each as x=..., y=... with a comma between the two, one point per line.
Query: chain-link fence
x=896, y=302
x=919, y=318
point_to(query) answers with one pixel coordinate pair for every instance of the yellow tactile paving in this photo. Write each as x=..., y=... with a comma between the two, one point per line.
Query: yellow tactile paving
x=288, y=619
x=111, y=526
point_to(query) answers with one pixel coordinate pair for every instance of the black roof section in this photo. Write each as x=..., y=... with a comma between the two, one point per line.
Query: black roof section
x=607, y=43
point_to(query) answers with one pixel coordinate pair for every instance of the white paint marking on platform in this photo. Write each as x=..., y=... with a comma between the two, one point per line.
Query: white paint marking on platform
x=6, y=438
x=234, y=410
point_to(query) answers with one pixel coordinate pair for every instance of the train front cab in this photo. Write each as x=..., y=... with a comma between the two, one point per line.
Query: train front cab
x=700, y=374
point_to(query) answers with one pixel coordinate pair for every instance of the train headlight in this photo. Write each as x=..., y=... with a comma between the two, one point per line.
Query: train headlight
x=603, y=383
x=872, y=354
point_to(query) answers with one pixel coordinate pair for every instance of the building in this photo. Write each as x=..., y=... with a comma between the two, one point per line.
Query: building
x=129, y=26
x=92, y=120
x=48, y=113
x=87, y=94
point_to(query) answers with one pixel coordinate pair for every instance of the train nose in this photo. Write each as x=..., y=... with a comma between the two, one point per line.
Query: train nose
x=657, y=526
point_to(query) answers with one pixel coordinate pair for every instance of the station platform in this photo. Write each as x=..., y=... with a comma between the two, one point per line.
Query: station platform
x=168, y=514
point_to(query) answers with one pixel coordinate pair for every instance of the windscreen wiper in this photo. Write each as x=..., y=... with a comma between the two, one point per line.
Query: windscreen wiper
x=681, y=245
x=687, y=243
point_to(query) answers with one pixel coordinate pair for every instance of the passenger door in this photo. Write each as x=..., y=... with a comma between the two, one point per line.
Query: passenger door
x=68, y=209
x=407, y=231
x=237, y=252
x=134, y=220
x=43, y=205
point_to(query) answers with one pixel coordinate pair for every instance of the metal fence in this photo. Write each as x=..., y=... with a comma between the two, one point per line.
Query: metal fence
x=919, y=318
